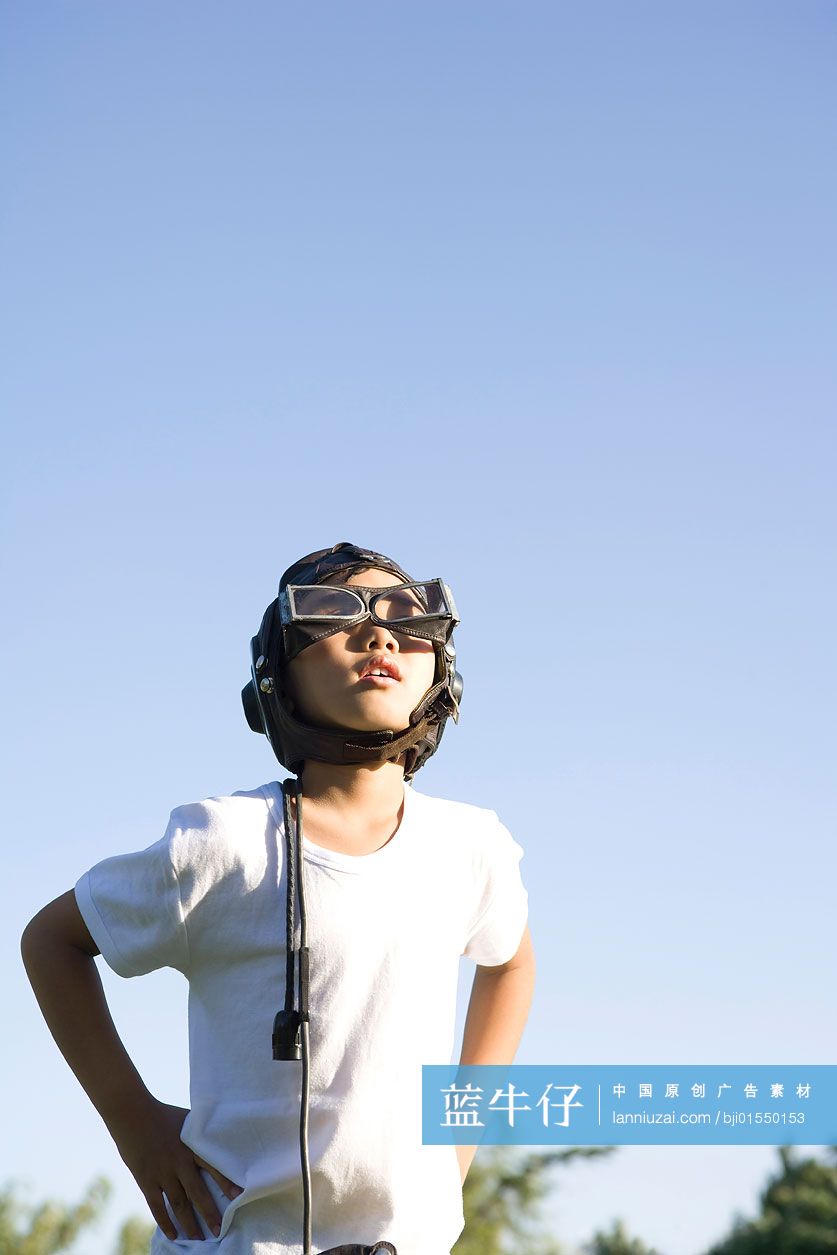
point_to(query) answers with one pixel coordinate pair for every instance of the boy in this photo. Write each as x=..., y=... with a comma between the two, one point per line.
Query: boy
x=398, y=885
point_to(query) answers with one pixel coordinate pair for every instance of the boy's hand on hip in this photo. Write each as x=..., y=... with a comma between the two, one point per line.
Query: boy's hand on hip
x=160, y=1163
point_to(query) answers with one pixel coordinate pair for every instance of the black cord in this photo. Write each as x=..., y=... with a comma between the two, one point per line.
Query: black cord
x=304, y=1019
x=290, y=926
x=291, y=1036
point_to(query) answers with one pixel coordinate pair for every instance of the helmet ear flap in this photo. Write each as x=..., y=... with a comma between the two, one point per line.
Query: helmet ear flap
x=252, y=709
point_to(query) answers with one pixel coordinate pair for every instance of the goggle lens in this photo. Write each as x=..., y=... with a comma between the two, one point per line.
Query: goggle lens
x=318, y=601
x=393, y=605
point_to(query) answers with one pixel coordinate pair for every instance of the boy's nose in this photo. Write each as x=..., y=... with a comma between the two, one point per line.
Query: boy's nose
x=377, y=636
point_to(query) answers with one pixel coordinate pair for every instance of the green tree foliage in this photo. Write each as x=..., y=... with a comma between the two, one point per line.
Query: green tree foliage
x=134, y=1237
x=51, y=1227
x=616, y=1242
x=502, y=1201
x=798, y=1212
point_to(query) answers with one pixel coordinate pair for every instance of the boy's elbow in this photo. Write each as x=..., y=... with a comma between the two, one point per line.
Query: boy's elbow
x=29, y=933
x=31, y=939
x=61, y=921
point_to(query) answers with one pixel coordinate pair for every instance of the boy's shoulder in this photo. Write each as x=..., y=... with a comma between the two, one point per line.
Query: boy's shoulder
x=202, y=812
x=454, y=809
x=221, y=816
x=217, y=835
x=453, y=822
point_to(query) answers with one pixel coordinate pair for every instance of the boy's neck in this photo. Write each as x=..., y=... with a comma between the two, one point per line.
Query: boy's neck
x=352, y=799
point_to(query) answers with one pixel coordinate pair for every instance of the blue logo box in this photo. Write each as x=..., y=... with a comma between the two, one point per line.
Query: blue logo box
x=629, y=1104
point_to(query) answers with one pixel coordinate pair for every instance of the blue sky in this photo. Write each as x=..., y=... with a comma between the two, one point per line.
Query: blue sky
x=537, y=298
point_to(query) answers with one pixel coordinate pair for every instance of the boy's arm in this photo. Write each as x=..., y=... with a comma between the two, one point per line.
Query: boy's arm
x=497, y=1012
x=59, y=955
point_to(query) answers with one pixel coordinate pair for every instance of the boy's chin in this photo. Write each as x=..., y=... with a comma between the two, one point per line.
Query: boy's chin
x=380, y=725
x=374, y=721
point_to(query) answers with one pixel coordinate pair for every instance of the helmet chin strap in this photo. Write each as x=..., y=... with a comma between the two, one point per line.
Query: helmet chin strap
x=290, y=1027
x=351, y=745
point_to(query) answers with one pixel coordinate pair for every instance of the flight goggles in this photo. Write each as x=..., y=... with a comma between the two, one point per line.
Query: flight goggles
x=309, y=612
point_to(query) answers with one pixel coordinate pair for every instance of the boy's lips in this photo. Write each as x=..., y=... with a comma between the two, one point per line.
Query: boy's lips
x=390, y=668
x=379, y=681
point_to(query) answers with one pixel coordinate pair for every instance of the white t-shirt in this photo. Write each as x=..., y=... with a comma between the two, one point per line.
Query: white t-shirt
x=385, y=932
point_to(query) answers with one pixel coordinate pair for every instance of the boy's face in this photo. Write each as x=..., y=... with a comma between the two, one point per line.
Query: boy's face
x=323, y=681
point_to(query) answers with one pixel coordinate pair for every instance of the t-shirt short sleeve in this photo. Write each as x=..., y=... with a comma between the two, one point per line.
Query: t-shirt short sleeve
x=131, y=905
x=502, y=904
